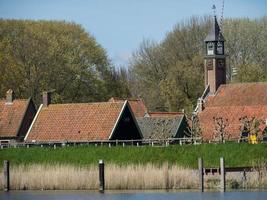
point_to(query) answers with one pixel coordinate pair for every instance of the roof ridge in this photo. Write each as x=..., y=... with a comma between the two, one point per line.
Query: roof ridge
x=84, y=103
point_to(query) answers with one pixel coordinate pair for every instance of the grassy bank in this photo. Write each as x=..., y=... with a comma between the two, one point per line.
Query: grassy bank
x=132, y=177
x=185, y=156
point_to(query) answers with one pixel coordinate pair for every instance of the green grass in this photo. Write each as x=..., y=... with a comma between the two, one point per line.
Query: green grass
x=234, y=154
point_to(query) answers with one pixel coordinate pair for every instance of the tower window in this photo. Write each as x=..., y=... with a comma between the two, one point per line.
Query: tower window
x=219, y=48
x=210, y=48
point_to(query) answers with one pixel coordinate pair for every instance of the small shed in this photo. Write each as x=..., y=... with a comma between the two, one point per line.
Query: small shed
x=163, y=127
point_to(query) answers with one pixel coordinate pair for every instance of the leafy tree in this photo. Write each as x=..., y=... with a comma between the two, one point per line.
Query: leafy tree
x=52, y=55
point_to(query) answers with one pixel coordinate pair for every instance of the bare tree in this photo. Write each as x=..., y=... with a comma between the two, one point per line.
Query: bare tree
x=220, y=132
x=194, y=128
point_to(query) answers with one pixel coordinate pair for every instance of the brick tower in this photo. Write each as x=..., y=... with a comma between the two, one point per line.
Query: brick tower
x=215, y=66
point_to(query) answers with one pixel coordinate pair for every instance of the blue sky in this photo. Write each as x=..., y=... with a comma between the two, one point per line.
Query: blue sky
x=121, y=25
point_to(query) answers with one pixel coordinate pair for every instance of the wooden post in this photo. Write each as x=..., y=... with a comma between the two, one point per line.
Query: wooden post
x=201, y=174
x=222, y=167
x=6, y=175
x=101, y=176
x=244, y=179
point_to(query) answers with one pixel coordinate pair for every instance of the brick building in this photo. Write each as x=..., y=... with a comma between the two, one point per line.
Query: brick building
x=231, y=102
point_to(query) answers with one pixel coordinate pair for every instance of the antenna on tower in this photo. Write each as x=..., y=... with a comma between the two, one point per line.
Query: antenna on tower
x=221, y=21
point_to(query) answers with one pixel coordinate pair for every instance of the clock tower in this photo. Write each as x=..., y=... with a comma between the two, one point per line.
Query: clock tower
x=215, y=66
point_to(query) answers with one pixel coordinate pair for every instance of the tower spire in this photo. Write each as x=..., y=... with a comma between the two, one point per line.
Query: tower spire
x=215, y=66
x=214, y=10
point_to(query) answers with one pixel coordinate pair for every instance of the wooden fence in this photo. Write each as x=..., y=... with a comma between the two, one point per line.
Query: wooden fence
x=110, y=143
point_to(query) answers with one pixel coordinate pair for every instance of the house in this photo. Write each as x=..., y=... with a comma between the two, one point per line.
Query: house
x=16, y=116
x=229, y=102
x=163, y=125
x=79, y=122
x=137, y=105
x=233, y=102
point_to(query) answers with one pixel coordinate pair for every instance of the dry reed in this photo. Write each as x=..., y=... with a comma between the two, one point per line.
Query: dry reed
x=51, y=177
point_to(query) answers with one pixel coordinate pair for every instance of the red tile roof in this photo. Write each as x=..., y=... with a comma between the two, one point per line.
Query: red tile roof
x=240, y=94
x=137, y=105
x=11, y=116
x=75, y=122
x=233, y=101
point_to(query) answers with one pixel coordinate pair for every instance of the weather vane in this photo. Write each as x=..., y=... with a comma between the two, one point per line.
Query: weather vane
x=214, y=10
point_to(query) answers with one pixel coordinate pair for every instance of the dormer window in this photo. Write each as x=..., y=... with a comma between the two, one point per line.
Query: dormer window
x=210, y=48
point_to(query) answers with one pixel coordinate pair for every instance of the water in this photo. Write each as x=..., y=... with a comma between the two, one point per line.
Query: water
x=133, y=195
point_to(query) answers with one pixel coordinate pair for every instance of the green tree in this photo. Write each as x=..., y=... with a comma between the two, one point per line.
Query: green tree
x=52, y=55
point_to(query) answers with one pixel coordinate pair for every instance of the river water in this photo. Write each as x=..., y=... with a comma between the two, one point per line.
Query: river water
x=132, y=195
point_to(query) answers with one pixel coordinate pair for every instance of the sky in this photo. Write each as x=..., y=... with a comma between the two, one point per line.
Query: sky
x=121, y=25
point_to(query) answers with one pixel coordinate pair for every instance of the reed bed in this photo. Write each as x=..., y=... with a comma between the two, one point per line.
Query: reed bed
x=126, y=177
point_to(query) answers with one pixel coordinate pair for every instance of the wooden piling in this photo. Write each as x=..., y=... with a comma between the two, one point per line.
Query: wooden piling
x=6, y=175
x=244, y=179
x=101, y=176
x=222, y=167
x=201, y=174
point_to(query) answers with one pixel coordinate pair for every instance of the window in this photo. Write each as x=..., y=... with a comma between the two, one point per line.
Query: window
x=219, y=48
x=210, y=48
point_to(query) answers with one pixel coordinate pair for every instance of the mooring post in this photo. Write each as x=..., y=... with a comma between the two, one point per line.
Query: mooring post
x=222, y=167
x=101, y=176
x=201, y=174
x=6, y=175
x=244, y=179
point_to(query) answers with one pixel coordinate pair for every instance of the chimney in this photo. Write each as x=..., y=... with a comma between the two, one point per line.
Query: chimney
x=46, y=98
x=200, y=105
x=10, y=96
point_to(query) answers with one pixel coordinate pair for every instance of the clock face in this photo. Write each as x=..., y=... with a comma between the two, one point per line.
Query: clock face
x=219, y=48
x=220, y=63
x=210, y=64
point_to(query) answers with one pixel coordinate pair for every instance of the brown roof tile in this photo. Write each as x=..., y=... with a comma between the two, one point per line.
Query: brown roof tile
x=11, y=116
x=75, y=122
x=240, y=94
x=137, y=105
x=233, y=101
